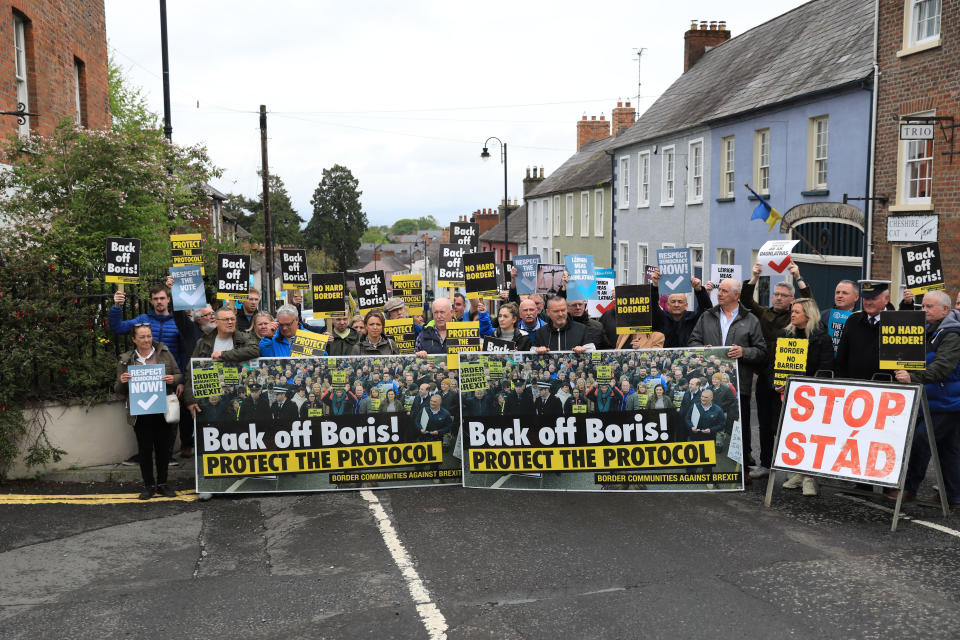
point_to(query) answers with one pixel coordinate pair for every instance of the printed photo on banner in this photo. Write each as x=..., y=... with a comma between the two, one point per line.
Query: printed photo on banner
x=847, y=430
x=634, y=313
x=549, y=278
x=566, y=422
x=466, y=234
x=188, y=291
x=774, y=256
x=903, y=340
x=922, y=270
x=450, y=267
x=582, y=283
x=402, y=332
x=187, y=249
x=148, y=391
x=480, y=275
x=233, y=276
x=526, y=273
x=122, y=261
x=674, y=265
x=409, y=288
x=293, y=269
x=371, y=290
x=329, y=291
x=328, y=424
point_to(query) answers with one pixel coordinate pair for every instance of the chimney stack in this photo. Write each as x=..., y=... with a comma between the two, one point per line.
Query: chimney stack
x=592, y=129
x=623, y=118
x=697, y=41
x=531, y=181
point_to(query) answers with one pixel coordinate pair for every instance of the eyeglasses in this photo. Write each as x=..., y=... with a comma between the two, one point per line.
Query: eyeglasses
x=227, y=319
x=142, y=324
x=777, y=294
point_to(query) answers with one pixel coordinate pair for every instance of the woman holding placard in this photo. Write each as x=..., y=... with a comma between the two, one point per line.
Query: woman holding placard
x=153, y=432
x=805, y=324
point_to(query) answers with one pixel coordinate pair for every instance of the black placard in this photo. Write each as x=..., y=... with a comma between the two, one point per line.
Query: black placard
x=480, y=274
x=634, y=314
x=123, y=260
x=371, y=290
x=293, y=269
x=466, y=234
x=233, y=276
x=450, y=266
x=328, y=290
x=496, y=344
x=922, y=269
x=902, y=340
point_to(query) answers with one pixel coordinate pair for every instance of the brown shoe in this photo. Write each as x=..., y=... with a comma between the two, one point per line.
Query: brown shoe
x=934, y=501
x=186, y=452
x=894, y=493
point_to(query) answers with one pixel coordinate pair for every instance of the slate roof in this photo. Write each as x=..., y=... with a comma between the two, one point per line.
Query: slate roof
x=821, y=45
x=588, y=167
x=516, y=228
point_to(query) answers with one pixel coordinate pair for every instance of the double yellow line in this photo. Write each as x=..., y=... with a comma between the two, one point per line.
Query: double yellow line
x=91, y=499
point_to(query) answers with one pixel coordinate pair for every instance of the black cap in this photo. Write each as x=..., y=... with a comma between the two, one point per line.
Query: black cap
x=873, y=288
x=254, y=387
x=280, y=390
x=543, y=384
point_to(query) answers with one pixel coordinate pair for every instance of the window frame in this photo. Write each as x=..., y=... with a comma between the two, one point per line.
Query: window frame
x=643, y=256
x=728, y=151
x=570, y=214
x=21, y=68
x=695, y=172
x=643, y=179
x=694, y=263
x=584, y=214
x=599, y=224
x=623, y=193
x=814, y=160
x=668, y=176
x=904, y=201
x=556, y=216
x=623, y=263
x=534, y=218
x=761, y=148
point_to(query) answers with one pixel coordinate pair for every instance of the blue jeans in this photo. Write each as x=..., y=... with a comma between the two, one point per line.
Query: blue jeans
x=945, y=426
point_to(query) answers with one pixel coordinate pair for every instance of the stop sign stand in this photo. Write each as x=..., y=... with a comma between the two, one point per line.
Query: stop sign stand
x=821, y=418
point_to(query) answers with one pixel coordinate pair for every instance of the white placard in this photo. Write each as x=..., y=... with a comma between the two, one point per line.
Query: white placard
x=917, y=131
x=721, y=272
x=774, y=256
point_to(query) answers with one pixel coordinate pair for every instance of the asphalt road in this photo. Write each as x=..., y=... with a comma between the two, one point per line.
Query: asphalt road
x=476, y=564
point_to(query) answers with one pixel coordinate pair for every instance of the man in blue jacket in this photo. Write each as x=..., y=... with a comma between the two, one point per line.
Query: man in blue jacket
x=279, y=345
x=941, y=380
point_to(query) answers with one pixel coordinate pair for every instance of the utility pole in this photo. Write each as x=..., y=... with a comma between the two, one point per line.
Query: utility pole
x=267, y=226
x=165, y=58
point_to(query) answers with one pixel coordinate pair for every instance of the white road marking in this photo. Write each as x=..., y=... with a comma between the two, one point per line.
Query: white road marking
x=925, y=523
x=433, y=620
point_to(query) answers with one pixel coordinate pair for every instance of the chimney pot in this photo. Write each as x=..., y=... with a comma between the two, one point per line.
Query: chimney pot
x=603, y=117
x=593, y=117
x=627, y=105
x=693, y=24
x=695, y=45
x=584, y=117
x=722, y=25
x=713, y=25
x=541, y=172
x=703, y=25
x=619, y=103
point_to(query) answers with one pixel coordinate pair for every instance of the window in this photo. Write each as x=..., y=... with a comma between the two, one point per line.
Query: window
x=546, y=255
x=669, y=165
x=569, y=214
x=643, y=257
x=545, y=208
x=695, y=171
x=924, y=21
x=696, y=259
x=598, y=223
x=534, y=218
x=20, y=70
x=584, y=214
x=643, y=183
x=761, y=161
x=725, y=256
x=817, y=152
x=917, y=171
x=727, y=186
x=80, y=90
x=623, y=195
x=624, y=263
x=669, y=245
x=557, y=258
x=556, y=215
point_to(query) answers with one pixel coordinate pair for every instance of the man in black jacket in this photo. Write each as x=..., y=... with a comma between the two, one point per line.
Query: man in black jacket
x=519, y=401
x=677, y=324
x=858, y=354
x=547, y=404
x=561, y=334
x=255, y=407
x=285, y=412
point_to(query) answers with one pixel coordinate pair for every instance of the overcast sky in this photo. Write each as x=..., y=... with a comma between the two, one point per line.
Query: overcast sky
x=403, y=93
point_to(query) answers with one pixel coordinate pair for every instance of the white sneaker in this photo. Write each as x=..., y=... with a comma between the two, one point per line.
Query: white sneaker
x=793, y=482
x=204, y=496
x=759, y=472
x=810, y=486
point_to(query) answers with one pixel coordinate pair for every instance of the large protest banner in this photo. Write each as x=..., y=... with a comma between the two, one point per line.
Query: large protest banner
x=846, y=429
x=591, y=442
x=248, y=442
x=293, y=269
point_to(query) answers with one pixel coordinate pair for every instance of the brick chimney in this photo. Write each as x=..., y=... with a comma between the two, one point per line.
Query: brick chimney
x=486, y=219
x=697, y=41
x=592, y=129
x=623, y=117
x=532, y=180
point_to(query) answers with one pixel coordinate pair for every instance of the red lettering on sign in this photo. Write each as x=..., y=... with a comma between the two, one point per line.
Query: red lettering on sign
x=821, y=442
x=871, y=470
x=849, y=457
x=804, y=409
x=892, y=404
x=792, y=442
x=859, y=394
x=832, y=394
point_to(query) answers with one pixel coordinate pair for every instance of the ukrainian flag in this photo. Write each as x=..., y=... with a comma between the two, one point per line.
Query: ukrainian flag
x=764, y=211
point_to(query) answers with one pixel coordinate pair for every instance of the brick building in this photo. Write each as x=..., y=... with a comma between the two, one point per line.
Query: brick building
x=918, y=57
x=56, y=65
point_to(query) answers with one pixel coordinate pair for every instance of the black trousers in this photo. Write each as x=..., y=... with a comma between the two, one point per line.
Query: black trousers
x=768, y=415
x=745, y=429
x=153, y=439
x=186, y=427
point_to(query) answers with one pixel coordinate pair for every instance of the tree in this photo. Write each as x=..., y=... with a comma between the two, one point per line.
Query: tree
x=128, y=106
x=404, y=226
x=338, y=219
x=284, y=218
x=376, y=234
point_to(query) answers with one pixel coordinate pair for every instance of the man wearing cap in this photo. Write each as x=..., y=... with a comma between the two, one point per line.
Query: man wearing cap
x=520, y=400
x=396, y=309
x=255, y=407
x=941, y=380
x=547, y=404
x=772, y=320
x=285, y=411
x=858, y=354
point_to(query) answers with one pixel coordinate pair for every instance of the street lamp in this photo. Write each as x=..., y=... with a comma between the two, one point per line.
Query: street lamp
x=485, y=155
